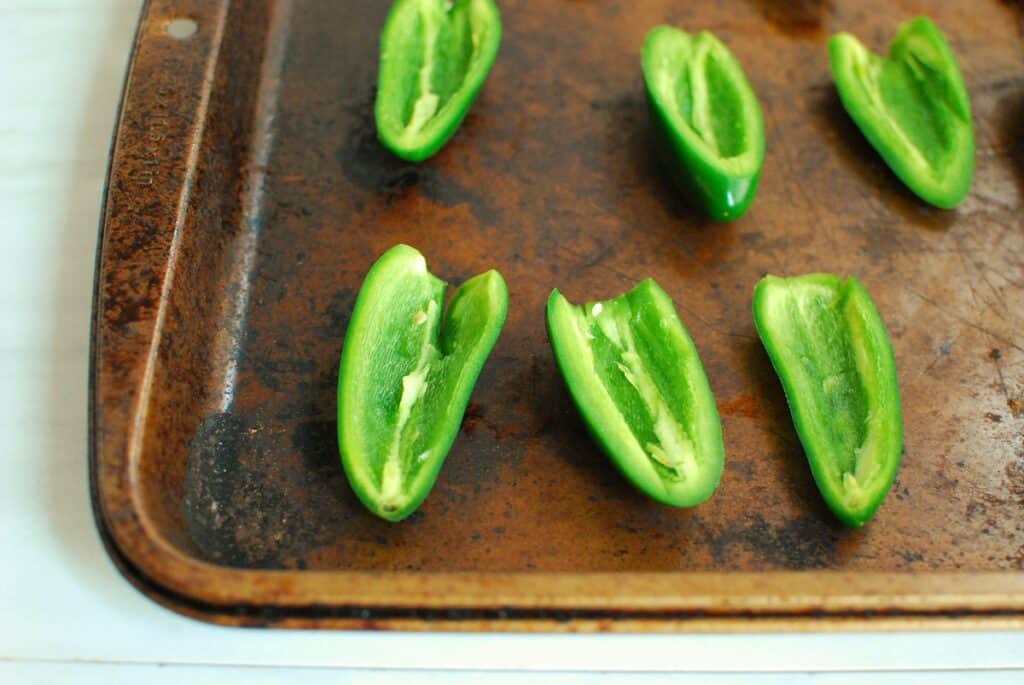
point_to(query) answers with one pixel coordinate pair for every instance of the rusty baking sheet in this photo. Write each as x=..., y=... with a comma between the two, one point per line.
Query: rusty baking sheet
x=248, y=196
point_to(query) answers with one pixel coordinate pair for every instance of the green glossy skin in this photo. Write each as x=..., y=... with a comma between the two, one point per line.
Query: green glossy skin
x=831, y=351
x=434, y=57
x=912, y=106
x=636, y=378
x=406, y=376
x=707, y=117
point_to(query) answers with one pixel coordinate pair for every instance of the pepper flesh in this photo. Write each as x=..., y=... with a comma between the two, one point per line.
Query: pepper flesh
x=635, y=376
x=707, y=117
x=406, y=375
x=434, y=57
x=912, y=107
x=831, y=351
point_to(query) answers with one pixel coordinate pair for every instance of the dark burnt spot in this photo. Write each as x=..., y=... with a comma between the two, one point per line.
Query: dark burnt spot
x=249, y=490
x=316, y=442
x=993, y=417
x=223, y=502
x=799, y=543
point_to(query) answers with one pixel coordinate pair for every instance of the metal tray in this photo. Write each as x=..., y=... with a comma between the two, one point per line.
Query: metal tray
x=248, y=196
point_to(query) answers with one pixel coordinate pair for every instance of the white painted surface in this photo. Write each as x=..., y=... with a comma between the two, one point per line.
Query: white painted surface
x=61, y=601
x=125, y=674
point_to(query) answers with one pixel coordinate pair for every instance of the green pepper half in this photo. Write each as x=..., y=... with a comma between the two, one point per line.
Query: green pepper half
x=831, y=351
x=434, y=56
x=912, y=107
x=708, y=120
x=406, y=376
x=635, y=376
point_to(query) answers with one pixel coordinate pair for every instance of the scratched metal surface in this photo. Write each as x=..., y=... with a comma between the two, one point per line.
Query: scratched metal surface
x=553, y=180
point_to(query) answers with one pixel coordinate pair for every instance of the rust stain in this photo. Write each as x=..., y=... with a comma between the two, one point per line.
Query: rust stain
x=744, y=404
x=1016, y=407
x=476, y=417
x=473, y=417
x=797, y=18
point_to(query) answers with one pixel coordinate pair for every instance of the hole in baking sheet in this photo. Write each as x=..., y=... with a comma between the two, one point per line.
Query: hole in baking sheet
x=180, y=29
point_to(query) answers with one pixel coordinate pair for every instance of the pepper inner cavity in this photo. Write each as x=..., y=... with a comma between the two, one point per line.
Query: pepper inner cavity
x=449, y=42
x=414, y=386
x=661, y=436
x=909, y=90
x=822, y=345
x=706, y=98
x=899, y=89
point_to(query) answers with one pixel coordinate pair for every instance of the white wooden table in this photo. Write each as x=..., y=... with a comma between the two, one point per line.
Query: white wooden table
x=65, y=613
